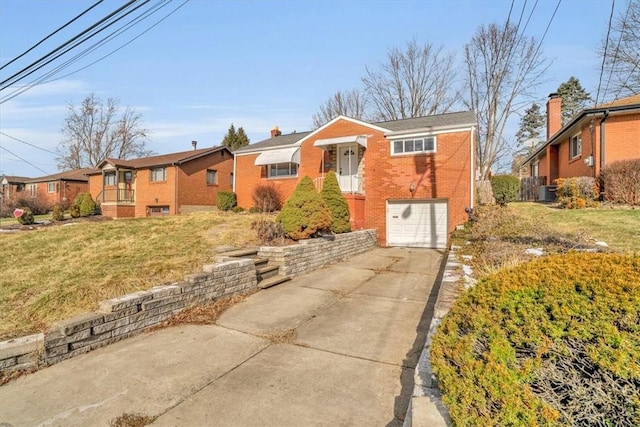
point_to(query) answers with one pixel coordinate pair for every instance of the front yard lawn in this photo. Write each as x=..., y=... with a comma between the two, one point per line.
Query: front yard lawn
x=58, y=272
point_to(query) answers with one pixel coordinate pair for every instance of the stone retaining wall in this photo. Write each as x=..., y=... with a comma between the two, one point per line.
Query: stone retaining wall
x=310, y=255
x=129, y=315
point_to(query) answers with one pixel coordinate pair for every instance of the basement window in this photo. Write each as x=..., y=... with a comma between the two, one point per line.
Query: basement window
x=575, y=146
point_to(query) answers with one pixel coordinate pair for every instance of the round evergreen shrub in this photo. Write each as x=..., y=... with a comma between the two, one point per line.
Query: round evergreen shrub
x=305, y=213
x=555, y=341
x=226, y=200
x=505, y=188
x=74, y=211
x=58, y=212
x=336, y=203
x=27, y=217
x=85, y=203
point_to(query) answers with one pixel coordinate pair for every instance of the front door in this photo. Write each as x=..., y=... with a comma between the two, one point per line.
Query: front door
x=348, y=168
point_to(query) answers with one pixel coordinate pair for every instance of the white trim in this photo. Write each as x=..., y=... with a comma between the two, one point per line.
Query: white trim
x=283, y=155
x=472, y=181
x=235, y=176
x=579, y=138
x=358, y=139
x=412, y=153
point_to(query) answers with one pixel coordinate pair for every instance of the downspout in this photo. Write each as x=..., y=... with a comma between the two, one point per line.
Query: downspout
x=602, y=144
x=472, y=173
x=233, y=184
x=175, y=188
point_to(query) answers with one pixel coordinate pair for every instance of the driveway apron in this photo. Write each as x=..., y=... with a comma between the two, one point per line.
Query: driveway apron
x=334, y=347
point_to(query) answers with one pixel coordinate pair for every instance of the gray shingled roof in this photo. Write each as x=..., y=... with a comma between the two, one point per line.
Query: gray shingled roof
x=71, y=175
x=164, y=159
x=435, y=121
x=277, y=141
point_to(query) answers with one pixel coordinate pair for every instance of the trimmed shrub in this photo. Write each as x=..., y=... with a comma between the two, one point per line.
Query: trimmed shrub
x=86, y=205
x=621, y=182
x=266, y=198
x=58, y=212
x=505, y=188
x=226, y=200
x=555, y=341
x=336, y=203
x=576, y=193
x=74, y=211
x=27, y=217
x=238, y=209
x=305, y=213
x=268, y=231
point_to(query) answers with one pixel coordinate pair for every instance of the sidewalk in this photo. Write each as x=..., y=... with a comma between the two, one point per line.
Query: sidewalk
x=334, y=347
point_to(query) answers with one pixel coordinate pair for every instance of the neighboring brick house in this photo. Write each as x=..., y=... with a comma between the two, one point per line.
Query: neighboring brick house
x=167, y=184
x=410, y=179
x=62, y=187
x=592, y=140
x=11, y=189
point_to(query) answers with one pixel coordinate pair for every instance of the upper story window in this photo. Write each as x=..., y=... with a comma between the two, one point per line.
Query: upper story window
x=212, y=176
x=419, y=145
x=51, y=187
x=110, y=178
x=575, y=146
x=158, y=174
x=283, y=169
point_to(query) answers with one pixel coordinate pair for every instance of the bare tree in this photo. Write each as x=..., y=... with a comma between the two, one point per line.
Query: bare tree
x=622, y=52
x=415, y=82
x=92, y=132
x=348, y=103
x=503, y=67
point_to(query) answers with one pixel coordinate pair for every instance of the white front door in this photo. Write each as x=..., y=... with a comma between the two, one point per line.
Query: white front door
x=348, y=168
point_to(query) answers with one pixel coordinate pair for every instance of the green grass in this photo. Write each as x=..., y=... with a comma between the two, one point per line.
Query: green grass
x=12, y=221
x=618, y=227
x=58, y=272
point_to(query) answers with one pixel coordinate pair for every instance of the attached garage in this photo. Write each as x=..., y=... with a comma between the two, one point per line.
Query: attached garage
x=417, y=223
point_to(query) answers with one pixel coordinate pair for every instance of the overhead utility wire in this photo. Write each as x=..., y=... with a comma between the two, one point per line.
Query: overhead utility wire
x=604, y=55
x=27, y=143
x=615, y=54
x=19, y=75
x=24, y=160
x=50, y=35
x=122, y=29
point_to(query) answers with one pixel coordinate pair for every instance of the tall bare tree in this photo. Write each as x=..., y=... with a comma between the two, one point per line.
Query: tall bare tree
x=622, y=52
x=349, y=103
x=93, y=131
x=503, y=68
x=413, y=82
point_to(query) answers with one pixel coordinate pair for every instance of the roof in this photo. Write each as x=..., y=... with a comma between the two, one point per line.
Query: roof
x=620, y=106
x=15, y=179
x=276, y=141
x=72, y=175
x=462, y=118
x=163, y=159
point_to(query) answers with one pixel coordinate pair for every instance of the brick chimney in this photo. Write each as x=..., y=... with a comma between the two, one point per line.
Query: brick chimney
x=275, y=132
x=554, y=114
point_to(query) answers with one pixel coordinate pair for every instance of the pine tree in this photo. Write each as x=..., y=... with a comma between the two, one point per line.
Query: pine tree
x=337, y=204
x=235, y=140
x=574, y=98
x=532, y=125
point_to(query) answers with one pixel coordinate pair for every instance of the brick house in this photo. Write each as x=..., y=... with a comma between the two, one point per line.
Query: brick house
x=409, y=179
x=61, y=187
x=593, y=139
x=167, y=184
x=11, y=189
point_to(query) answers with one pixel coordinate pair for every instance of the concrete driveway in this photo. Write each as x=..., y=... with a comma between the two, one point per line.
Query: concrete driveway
x=335, y=347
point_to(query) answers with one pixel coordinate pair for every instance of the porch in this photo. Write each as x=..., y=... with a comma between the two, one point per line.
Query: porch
x=345, y=157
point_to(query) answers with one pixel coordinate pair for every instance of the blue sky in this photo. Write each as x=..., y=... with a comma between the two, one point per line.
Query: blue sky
x=256, y=64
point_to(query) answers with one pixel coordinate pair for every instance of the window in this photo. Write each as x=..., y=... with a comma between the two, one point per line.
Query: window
x=109, y=178
x=231, y=182
x=535, y=169
x=158, y=210
x=575, y=146
x=283, y=169
x=51, y=187
x=32, y=189
x=422, y=145
x=212, y=176
x=158, y=174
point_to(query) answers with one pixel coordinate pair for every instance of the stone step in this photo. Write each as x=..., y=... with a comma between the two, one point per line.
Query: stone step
x=239, y=253
x=272, y=281
x=266, y=272
x=260, y=262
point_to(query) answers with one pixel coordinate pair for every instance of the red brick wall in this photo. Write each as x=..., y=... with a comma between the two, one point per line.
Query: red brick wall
x=192, y=179
x=65, y=191
x=151, y=193
x=622, y=138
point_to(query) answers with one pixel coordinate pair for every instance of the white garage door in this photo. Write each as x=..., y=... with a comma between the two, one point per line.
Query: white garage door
x=417, y=223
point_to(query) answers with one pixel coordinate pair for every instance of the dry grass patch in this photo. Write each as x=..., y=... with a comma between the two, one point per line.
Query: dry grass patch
x=206, y=314
x=132, y=420
x=58, y=272
x=286, y=336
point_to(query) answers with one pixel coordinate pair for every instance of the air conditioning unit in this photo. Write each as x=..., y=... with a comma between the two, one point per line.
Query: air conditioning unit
x=547, y=193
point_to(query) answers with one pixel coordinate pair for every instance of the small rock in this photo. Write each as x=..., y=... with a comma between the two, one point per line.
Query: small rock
x=534, y=251
x=602, y=244
x=467, y=257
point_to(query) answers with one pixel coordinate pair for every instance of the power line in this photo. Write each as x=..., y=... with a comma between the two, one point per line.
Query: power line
x=50, y=35
x=615, y=54
x=24, y=160
x=606, y=47
x=27, y=143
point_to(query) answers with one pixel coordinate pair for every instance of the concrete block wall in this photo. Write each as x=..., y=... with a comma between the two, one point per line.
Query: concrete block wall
x=310, y=255
x=126, y=316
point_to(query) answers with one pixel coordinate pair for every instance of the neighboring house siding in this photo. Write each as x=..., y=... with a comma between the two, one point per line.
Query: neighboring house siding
x=193, y=189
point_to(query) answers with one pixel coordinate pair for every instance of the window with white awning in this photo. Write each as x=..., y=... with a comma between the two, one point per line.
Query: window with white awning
x=280, y=155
